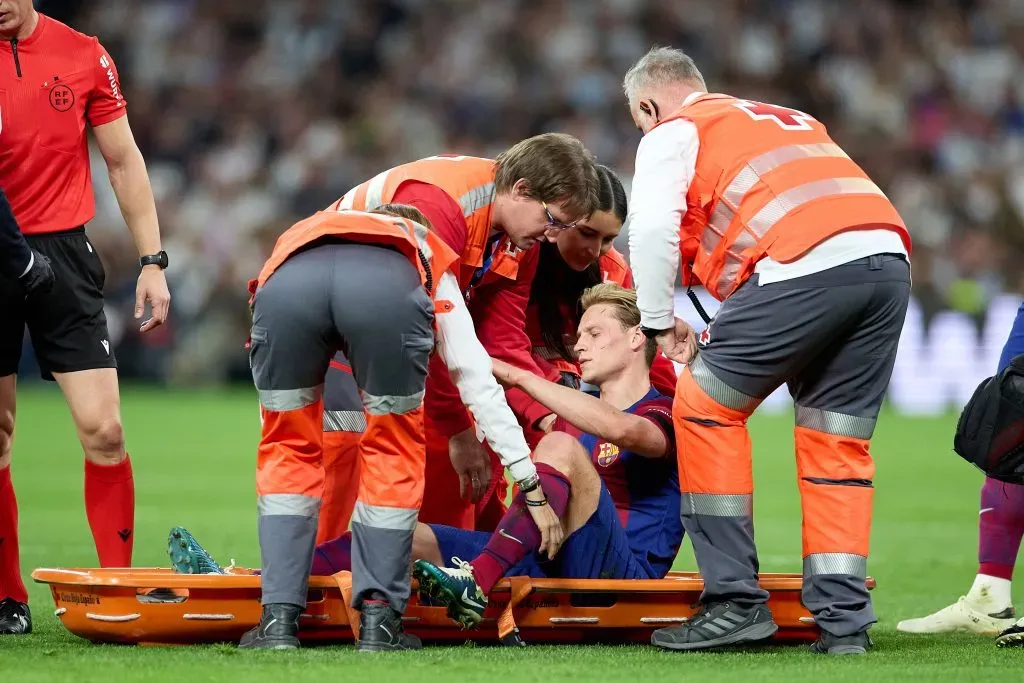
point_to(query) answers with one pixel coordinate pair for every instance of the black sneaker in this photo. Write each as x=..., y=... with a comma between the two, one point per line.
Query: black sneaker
x=278, y=629
x=381, y=630
x=1012, y=636
x=15, y=618
x=716, y=625
x=828, y=644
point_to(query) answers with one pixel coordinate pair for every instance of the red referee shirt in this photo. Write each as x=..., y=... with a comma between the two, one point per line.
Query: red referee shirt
x=52, y=84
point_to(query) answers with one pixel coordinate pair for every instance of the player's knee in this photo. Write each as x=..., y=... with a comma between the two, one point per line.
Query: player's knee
x=559, y=450
x=104, y=442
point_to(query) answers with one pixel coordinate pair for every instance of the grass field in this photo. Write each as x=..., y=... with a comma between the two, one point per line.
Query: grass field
x=193, y=456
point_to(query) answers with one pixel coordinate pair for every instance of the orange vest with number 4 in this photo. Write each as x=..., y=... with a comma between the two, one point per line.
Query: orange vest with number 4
x=769, y=181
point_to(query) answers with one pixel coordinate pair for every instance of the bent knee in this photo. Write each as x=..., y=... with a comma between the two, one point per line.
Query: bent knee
x=104, y=442
x=561, y=451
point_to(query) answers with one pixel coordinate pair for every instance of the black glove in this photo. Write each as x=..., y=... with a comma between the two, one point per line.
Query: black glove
x=39, y=278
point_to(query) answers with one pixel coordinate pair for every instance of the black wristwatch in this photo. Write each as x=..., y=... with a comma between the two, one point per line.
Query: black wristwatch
x=651, y=334
x=157, y=259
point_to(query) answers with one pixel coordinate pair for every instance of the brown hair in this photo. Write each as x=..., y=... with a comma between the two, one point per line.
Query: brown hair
x=405, y=211
x=556, y=167
x=623, y=304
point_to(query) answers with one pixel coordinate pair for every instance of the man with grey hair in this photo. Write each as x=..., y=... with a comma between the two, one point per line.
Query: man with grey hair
x=811, y=262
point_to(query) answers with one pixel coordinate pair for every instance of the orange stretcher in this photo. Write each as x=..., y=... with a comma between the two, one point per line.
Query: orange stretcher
x=159, y=607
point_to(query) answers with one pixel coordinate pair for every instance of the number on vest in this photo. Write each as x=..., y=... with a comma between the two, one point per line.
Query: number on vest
x=788, y=119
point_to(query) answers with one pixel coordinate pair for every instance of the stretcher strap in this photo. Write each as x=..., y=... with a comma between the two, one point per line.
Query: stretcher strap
x=520, y=588
x=344, y=581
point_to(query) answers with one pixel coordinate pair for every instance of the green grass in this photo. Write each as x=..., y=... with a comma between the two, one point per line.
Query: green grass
x=193, y=455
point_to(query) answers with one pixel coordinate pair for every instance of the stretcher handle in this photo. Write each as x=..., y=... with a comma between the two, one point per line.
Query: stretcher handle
x=521, y=587
x=344, y=581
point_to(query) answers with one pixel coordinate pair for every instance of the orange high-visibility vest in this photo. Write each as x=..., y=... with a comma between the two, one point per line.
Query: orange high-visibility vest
x=769, y=181
x=469, y=181
x=424, y=249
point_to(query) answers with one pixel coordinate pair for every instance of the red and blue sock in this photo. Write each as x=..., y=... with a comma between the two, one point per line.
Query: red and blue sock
x=517, y=535
x=333, y=556
x=1000, y=528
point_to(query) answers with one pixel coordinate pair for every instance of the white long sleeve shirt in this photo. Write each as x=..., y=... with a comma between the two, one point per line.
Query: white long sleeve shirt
x=666, y=160
x=470, y=369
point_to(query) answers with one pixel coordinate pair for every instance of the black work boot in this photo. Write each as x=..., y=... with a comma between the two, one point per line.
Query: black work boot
x=278, y=629
x=381, y=630
x=15, y=617
x=854, y=644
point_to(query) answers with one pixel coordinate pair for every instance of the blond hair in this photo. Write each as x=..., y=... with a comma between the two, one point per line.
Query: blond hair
x=406, y=211
x=623, y=304
x=661, y=66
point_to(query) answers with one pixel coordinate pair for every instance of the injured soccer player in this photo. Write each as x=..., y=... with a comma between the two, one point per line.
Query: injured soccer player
x=608, y=470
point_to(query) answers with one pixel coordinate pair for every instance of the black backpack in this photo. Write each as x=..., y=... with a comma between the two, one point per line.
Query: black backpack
x=990, y=431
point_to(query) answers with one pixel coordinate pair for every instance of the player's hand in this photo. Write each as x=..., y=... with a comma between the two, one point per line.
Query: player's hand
x=152, y=287
x=546, y=423
x=550, y=526
x=507, y=374
x=471, y=463
x=40, y=278
x=679, y=343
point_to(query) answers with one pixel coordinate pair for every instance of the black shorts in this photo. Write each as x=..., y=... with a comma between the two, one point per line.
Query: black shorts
x=67, y=326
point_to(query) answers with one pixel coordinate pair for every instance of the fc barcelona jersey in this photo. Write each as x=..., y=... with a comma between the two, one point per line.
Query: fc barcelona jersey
x=645, y=490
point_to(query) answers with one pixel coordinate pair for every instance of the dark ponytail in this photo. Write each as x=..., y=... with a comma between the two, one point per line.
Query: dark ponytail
x=556, y=283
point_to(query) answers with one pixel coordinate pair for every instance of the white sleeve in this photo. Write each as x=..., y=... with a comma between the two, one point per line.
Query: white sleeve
x=470, y=369
x=665, y=164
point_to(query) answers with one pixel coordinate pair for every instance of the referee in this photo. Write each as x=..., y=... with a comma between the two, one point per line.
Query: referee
x=54, y=82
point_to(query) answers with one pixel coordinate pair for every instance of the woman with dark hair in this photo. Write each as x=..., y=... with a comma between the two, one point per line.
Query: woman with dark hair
x=578, y=259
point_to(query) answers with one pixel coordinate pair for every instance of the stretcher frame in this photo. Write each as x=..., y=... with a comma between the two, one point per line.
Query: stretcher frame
x=128, y=606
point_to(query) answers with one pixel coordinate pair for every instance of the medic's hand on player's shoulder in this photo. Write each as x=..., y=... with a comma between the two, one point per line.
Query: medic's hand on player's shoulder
x=679, y=343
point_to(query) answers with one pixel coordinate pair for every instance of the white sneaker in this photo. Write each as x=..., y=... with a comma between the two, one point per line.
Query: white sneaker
x=960, y=616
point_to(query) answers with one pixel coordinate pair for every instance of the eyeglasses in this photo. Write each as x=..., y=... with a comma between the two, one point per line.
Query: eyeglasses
x=556, y=224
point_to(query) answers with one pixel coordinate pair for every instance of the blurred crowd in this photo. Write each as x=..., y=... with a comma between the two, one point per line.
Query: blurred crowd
x=253, y=113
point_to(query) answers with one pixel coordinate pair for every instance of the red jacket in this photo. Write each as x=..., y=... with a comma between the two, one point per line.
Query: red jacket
x=498, y=307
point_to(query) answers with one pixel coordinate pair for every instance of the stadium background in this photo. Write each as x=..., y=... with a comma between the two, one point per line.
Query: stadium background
x=252, y=114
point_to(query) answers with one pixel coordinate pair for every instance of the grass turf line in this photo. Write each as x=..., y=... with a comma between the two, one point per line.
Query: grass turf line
x=193, y=456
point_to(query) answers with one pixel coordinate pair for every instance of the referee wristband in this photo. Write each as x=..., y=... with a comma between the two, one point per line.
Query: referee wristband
x=536, y=503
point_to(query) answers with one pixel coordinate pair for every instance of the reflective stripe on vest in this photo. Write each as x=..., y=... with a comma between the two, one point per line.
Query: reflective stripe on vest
x=726, y=209
x=475, y=199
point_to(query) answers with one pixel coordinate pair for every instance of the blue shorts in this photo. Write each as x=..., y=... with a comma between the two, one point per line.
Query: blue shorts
x=1015, y=343
x=597, y=550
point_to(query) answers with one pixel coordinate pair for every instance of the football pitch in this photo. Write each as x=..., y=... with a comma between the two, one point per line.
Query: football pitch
x=194, y=460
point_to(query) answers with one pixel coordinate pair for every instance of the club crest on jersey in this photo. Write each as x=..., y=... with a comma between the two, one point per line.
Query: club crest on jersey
x=606, y=454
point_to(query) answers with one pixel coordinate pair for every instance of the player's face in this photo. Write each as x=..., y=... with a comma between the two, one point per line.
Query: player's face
x=527, y=220
x=589, y=240
x=604, y=347
x=13, y=13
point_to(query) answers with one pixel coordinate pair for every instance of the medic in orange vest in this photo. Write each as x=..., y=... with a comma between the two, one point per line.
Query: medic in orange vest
x=491, y=212
x=811, y=262
x=378, y=286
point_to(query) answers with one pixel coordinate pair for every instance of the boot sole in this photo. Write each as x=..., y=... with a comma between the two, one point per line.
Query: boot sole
x=749, y=634
x=383, y=647
x=272, y=644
